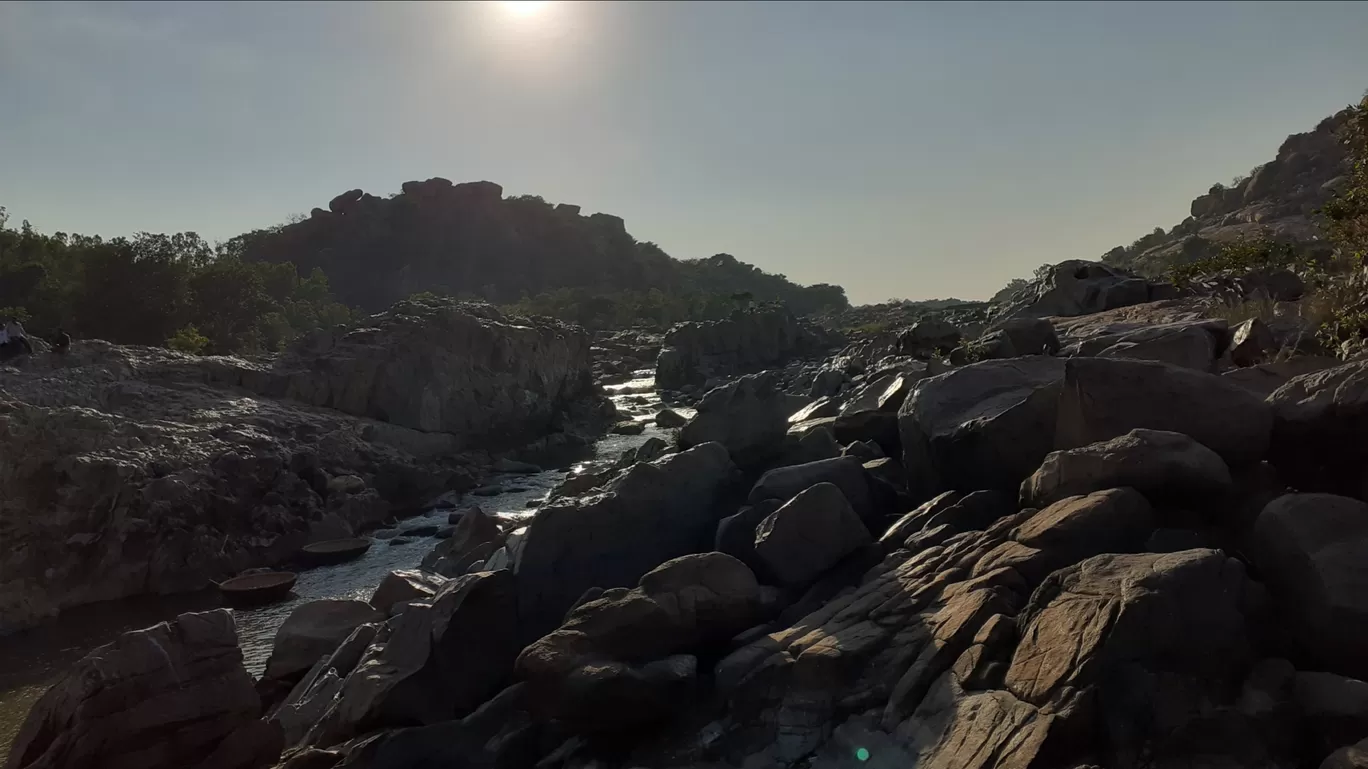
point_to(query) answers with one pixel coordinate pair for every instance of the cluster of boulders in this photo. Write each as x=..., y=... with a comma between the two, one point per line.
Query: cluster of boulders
x=132, y=470
x=1116, y=548
x=698, y=354
x=620, y=354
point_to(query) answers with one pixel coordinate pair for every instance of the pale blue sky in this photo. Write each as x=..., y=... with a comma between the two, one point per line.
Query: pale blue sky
x=909, y=150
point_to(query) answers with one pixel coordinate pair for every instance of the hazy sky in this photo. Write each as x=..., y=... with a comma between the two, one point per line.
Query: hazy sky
x=901, y=150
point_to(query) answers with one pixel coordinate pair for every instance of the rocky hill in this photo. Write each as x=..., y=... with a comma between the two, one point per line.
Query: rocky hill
x=468, y=239
x=1278, y=200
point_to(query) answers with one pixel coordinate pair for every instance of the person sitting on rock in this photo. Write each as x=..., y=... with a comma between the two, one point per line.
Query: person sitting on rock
x=14, y=341
x=61, y=342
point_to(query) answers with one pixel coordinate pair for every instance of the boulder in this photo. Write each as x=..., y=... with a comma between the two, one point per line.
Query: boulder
x=1076, y=287
x=313, y=631
x=824, y=406
x=1263, y=379
x=165, y=697
x=1095, y=630
x=1166, y=467
x=1348, y=757
x=736, y=534
x=628, y=427
x=649, y=514
x=405, y=585
x=1187, y=347
x=1105, y=398
x=619, y=662
x=1251, y=342
x=915, y=520
x=439, y=661
x=668, y=419
x=1311, y=550
x=983, y=426
x=809, y=534
x=1334, y=708
x=1018, y=336
x=748, y=416
x=928, y=335
x=1319, y=421
x=847, y=473
x=476, y=537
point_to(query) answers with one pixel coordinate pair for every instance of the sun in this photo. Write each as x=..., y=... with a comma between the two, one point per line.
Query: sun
x=524, y=8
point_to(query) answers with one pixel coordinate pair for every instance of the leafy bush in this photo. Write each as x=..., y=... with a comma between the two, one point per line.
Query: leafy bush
x=1240, y=256
x=188, y=339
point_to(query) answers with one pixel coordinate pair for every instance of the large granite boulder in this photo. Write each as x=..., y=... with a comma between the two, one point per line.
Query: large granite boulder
x=313, y=631
x=1164, y=466
x=1311, y=550
x=749, y=416
x=1076, y=288
x=1105, y=398
x=984, y=426
x=622, y=660
x=166, y=697
x=747, y=341
x=651, y=513
x=847, y=473
x=436, y=661
x=809, y=534
x=1017, y=337
x=477, y=536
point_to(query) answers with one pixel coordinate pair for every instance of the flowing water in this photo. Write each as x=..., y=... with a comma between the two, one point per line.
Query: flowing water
x=31, y=661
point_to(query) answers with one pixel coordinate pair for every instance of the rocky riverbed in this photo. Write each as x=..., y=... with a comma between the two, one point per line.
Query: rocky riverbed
x=30, y=661
x=1108, y=529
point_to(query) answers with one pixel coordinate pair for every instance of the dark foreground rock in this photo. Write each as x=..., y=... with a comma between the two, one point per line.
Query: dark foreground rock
x=171, y=696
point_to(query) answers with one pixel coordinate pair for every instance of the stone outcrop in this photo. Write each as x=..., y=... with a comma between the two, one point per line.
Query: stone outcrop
x=809, y=534
x=1164, y=466
x=1277, y=200
x=651, y=513
x=131, y=470
x=440, y=366
x=170, y=696
x=749, y=340
x=1075, y=287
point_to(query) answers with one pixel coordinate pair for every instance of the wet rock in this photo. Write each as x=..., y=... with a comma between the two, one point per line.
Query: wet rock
x=983, y=426
x=476, y=537
x=1164, y=466
x=405, y=585
x=809, y=534
x=1106, y=398
x=1310, y=549
x=651, y=513
x=513, y=466
x=748, y=416
x=165, y=697
x=629, y=428
x=668, y=419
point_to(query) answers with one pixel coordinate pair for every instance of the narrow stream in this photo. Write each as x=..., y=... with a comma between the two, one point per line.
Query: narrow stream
x=31, y=661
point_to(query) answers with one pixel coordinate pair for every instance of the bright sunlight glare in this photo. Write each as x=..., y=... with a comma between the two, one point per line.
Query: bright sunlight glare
x=523, y=7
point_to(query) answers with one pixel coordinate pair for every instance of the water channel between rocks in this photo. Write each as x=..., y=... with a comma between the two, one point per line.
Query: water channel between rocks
x=31, y=661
